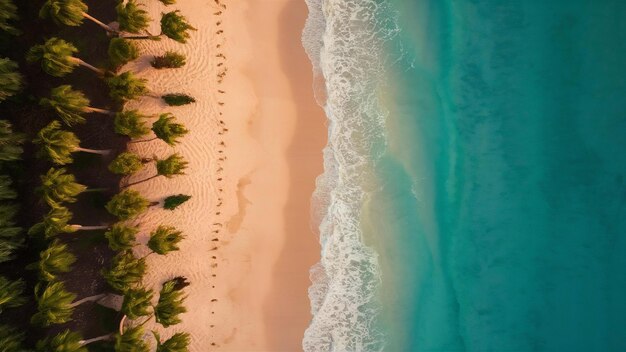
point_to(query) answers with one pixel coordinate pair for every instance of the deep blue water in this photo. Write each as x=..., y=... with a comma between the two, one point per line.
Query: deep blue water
x=491, y=210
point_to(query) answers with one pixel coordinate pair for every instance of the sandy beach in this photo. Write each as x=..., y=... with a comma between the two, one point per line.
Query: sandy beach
x=254, y=152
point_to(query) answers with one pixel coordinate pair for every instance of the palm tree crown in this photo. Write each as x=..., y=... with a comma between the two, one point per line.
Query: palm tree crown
x=10, y=142
x=173, y=165
x=175, y=26
x=126, y=86
x=131, y=17
x=131, y=340
x=54, y=305
x=59, y=187
x=130, y=123
x=64, y=12
x=56, y=144
x=55, y=222
x=122, y=51
x=11, y=293
x=165, y=239
x=54, y=260
x=121, y=237
x=179, y=342
x=10, y=79
x=55, y=55
x=10, y=339
x=68, y=103
x=166, y=129
x=137, y=302
x=170, y=304
x=127, y=204
x=65, y=341
x=126, y=163
x=125, y=271
x=8, y=12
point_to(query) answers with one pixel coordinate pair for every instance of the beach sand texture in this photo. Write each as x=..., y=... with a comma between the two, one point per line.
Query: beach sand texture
x=254, y=150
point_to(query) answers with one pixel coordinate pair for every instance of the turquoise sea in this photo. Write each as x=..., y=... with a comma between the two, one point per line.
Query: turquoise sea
x=474, y=193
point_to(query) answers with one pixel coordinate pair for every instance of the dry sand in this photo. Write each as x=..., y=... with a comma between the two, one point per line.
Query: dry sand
x=250, y=195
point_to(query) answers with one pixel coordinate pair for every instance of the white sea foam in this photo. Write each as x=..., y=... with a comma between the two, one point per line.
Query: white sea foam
x=344, y=39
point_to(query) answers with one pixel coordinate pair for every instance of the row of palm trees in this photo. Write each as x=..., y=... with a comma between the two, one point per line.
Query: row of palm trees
x=59, y=188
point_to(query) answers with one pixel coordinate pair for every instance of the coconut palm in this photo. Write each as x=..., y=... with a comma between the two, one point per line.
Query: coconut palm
x=57, y=187
x=57, y=221
x=11, y=81
x=172, y=202
x=170, y=304
x=125, y=271
x=137, y=302
x=6, y=190
x=126, y=86
x=130, y=123
x=131, y=17
x=11, y=293
x=56, y=57
x=55, y=304
x=128, y=204
x=58, y=145
x=179, y=342
x=122, y=51
x=54, y=260
x=121, y=237
x=8, y=13
x=170, y=59
x=175, y=26
x=166, y=129
x=131, y=340
x=69, y=104
x=169, y=167
x=69, y=13
x=10, y=142
x=165, y=239
x=65, y=341
x=10, y=339
x=126, y=163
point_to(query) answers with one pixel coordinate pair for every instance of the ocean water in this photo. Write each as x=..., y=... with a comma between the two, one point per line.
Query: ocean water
x=474, y=192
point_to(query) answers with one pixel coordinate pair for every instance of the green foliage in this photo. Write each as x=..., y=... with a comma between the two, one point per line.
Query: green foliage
x=130, y=123
x=121, y=237
x=172, y=202
x=171, y=166
x=126, y=163
x=65, y=341
x=11, y=293
x=178, y=99
x=165, y=239
x=127, y=204
x=168, y=2
x=55, y=222
x=8, y=13
x=137, y=302
x=122, y=51
x=175, y=26
x=6, y=191
x=54, y=260
x=179, y=342
x=126, y=86
x=170, y=304
x=11, y=238
x=10, y=339
x=55, y=56
x=58, y=187
x=54, y=305
x=56, y=144
x=69, y=104
x=170, y=59
x=11, y=81
x=125, y=271
x=131, y=17
x=131, y=340
x=166, y=129
x=10, y=142
x=64, y=12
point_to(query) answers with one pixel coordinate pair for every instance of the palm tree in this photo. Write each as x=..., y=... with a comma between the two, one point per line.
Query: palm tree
x=121, y=237
x=69, y=104
x=10, y=142
x=170, y=304
x=177, y=99
x=169, y=167
x=10, y=339
x=57, y=221
x=11, y=293
x=55, y=304
x=59, y=187
x=131, y=340
x=65, y=341
x=166, y=129
x=6, y=191
x=125, y=271
x=11, y=81
x=128, y=204
x=126, y=86
x=172, y=202
x=175, y=26
x=130, y=123
x=54, y=260
x=137, y=302
x=56, y=57
x=168, y=2
x=131, y=17
x=8, y=12
x=122, y=51
x=58, y=145
x=69, y=13
x=165, y=239
x=179, y=342
x=126, y=163
x=170, y=59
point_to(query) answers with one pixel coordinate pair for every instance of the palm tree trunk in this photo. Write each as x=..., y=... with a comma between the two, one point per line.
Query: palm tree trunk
x=99, y=111
x=89, y=190
x=89, y=228
x=96, y=339
x=94, y=298
x=151, y=37
x=93, y=151
x=144, y=180
x=84, y=64
x=144, y=140
x=99, y=23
